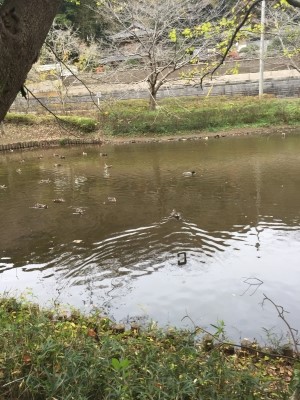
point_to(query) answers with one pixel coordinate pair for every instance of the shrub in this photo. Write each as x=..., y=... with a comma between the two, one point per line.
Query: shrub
x=83, y=124
x=25, y=119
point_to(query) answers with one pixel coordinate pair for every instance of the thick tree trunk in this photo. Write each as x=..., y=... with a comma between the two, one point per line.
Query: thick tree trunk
x=24, y=25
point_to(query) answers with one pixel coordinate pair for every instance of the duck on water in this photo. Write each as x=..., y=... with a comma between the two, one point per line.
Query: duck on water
x=189, y=173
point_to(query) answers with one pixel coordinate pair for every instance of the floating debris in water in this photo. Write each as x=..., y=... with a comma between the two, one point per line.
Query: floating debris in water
x=107, y=166
x=45, y=181
x=181, y=258
x=84, y=153
x=3, y=187
x=112, y=199
x=77, y=241
x=19, y=171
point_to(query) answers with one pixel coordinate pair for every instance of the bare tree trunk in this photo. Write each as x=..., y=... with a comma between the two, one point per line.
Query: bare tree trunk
x=152, y=101
x=152, y=80
x=24, y=25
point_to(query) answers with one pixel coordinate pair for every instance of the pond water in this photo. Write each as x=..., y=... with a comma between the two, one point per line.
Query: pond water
x=113, y=243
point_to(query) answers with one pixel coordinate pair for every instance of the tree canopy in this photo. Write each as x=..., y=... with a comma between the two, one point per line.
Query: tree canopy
x=25, y=24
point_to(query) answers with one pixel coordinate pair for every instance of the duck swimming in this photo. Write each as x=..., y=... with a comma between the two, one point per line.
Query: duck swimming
x=39, y=205
x=175, y=214
x=59, y=201
x=189, y=173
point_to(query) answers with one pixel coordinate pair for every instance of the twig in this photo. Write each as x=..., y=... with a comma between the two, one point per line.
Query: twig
x=59, y=120
x=224, y=343
x=281, y=311
x=75, y=76
x=232, y=39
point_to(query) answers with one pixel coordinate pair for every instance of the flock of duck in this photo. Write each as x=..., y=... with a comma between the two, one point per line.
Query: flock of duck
x=79, y=210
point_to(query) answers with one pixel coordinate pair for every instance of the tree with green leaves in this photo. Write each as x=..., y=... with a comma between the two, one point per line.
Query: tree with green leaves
x=80, y=15
x=244, y=12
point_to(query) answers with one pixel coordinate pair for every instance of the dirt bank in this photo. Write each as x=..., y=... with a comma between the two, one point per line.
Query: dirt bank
x=17, y=133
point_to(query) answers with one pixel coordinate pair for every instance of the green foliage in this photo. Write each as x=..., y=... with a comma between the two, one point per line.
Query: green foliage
x=25, y=119
x=81, y=16
x=194, y=114
x=82, y=124
x=45, y=354
x=79, y=123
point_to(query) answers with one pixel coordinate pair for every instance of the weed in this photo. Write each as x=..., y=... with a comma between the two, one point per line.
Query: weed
x=82, y=124
x=194, y=114
x=44, y=355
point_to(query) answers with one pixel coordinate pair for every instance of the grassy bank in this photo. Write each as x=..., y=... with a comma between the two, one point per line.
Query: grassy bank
x=174, y=116
x=77, y=123
x=198, y=114
x=46, y=355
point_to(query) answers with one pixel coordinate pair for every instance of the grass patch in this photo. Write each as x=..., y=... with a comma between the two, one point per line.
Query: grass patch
x=46, y=355
x=24, y=119
x=177, y=115
x=174, y=115
x=79, y=123
x=83, y=124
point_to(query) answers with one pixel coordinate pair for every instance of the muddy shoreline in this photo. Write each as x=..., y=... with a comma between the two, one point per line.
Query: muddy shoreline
x=21, y=136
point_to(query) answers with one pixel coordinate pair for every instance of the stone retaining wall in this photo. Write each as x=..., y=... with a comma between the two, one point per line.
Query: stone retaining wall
x=47, y=143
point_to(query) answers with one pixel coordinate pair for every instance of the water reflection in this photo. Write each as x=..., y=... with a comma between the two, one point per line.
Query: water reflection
x=239, y=219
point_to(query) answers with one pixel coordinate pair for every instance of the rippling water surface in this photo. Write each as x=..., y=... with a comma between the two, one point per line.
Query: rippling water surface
x=113, y=244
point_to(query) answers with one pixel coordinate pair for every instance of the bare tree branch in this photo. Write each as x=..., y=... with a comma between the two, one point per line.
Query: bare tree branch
x=60, y=121
x=280, y=312
x=73, y=74
x=225, y=343
x=231, y=42
x=153, y=31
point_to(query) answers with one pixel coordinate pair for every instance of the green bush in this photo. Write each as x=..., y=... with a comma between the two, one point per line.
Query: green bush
x=25, y=119
x=83, y=124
